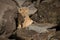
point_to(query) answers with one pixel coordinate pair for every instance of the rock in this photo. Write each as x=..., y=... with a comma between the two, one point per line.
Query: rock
x=26, y=34
x=51, y=33
x=45, y=36
x=8, y=12
x=32, y=9
x=20, y=2
x=57, y=3
x=40, y=28
x=3, y=38
x=48, y=1
x=47, y=13
x=27, y=3
x=57, y=35
x=33, y=35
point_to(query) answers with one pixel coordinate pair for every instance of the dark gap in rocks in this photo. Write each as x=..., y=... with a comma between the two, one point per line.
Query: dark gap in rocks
x=41, y=1
x=36, y=0
x=56, y=27
x=32, y=39
x=30, y=16
x=16, y=20
x=18, y=38
x=33, y=0
x=12, y=37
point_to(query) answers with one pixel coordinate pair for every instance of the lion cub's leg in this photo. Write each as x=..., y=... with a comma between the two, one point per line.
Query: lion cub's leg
x=27, y=22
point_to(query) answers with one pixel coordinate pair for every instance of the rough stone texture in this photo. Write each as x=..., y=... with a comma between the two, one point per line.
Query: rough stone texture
x=26, y=34
x=20, y=2
x=7, y=17
x=4, y=39
x=27, y=3
x=45, y=36
x=57, y=35
x=32, y=9
x=48, y=12
x=40, y=28
x=48, y=1
x=32, y=35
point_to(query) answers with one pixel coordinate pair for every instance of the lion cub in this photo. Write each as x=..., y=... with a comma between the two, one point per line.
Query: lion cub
x=27, y=21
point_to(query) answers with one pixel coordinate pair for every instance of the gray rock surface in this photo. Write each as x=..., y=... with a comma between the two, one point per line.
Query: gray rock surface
x=20, y=2
x=7, y=17
x=40, y=28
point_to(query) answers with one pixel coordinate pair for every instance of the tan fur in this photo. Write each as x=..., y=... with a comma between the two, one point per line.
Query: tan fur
x=27, y=21
x=23, y=11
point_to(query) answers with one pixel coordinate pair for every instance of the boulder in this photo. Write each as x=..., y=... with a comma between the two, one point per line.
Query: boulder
x=8, y=15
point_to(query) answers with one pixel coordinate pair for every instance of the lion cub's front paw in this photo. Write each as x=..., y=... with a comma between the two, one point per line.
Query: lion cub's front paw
x=27, y=22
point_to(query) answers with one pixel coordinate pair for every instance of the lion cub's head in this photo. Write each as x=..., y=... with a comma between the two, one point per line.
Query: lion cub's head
x=24, y=11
